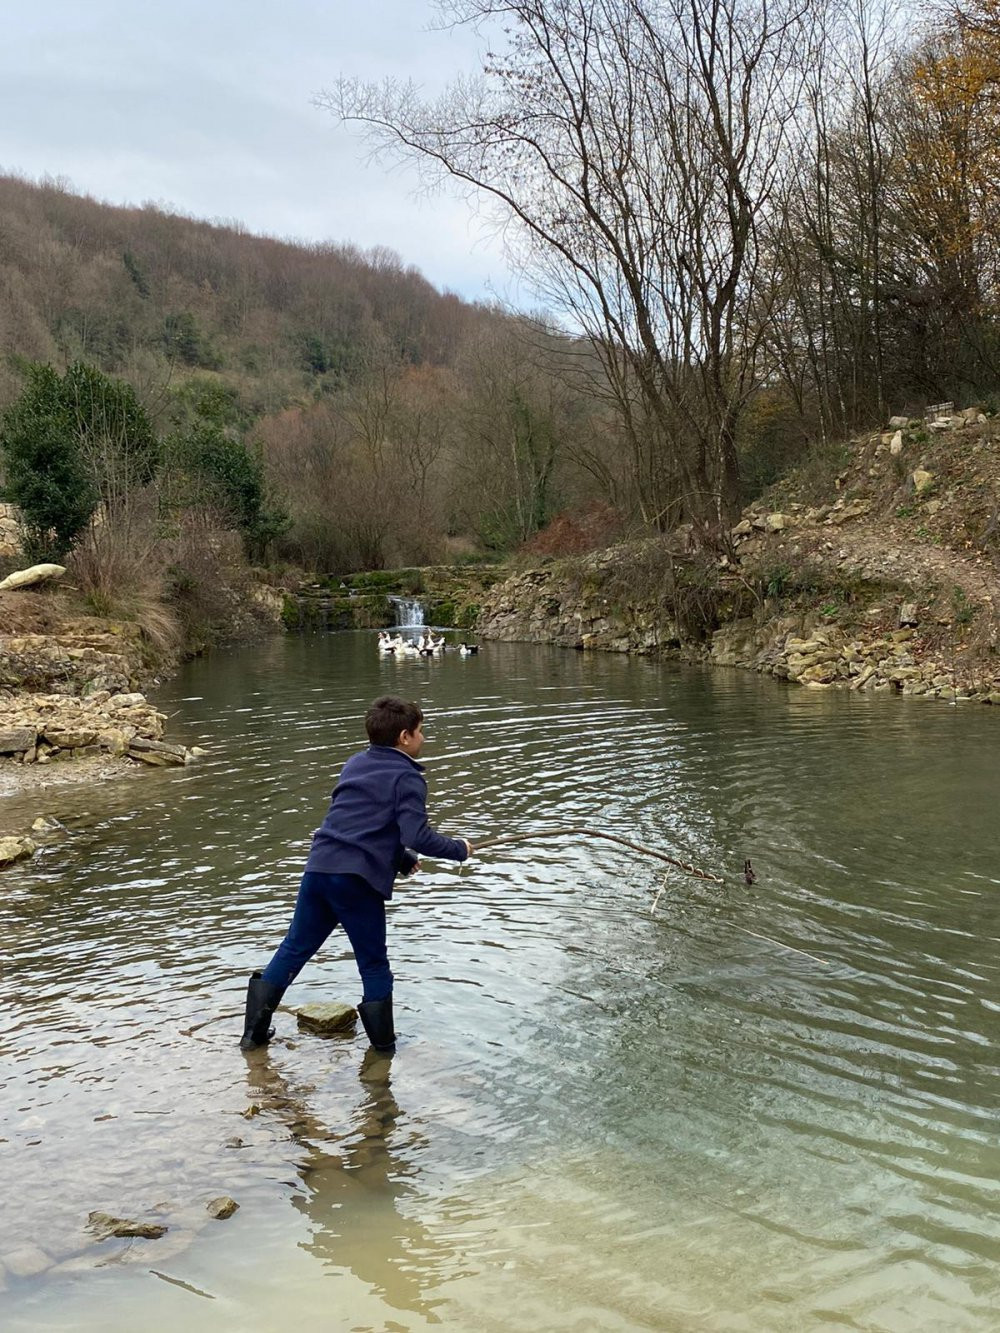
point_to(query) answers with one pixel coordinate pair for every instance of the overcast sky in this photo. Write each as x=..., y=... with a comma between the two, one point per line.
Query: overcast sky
x=205, y=106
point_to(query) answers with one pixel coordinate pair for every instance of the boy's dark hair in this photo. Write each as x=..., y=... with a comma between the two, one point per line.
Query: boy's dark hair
x=388, y=716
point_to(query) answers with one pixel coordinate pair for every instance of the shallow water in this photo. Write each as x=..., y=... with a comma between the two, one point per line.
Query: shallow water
x=760, y=1108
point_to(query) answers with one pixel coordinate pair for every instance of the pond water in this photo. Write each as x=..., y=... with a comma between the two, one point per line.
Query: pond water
x=766, y=1107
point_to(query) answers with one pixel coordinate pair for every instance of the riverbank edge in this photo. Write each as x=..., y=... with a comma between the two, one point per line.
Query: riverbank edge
x=73, y=700
x=74, y=685
x=887, y=583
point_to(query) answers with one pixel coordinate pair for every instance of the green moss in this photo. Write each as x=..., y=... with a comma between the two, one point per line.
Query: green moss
x=401, y=582
x=441, y=612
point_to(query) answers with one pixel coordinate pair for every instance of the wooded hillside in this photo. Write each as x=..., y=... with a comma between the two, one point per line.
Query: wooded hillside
x=376, y=404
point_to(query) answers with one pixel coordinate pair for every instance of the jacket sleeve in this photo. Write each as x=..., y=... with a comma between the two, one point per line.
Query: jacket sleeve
x=414, y=830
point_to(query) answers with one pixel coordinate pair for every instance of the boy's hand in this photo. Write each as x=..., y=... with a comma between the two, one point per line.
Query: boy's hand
x=409, y=863
x=469, y=849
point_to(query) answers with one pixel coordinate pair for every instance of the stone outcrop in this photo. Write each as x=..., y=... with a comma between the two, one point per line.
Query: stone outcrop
x=822, y=596
x=44, y=728
x=799, y=652
x=571, y=603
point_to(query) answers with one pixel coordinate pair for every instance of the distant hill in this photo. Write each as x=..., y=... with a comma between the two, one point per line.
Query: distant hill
x=137, y=291
x=375, y=403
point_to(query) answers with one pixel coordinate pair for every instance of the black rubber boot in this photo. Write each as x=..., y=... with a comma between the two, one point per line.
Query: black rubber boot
x=376, y=1019
x=262, y=1000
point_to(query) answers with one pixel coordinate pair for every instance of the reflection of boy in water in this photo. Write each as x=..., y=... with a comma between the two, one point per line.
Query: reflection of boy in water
x=374, y=829
x=359, y=1194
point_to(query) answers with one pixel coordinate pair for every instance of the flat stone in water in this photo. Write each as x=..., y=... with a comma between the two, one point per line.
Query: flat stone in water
x=327, y=1019
x=105, y=1225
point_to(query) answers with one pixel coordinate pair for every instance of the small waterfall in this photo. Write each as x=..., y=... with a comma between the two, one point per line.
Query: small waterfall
x=409, y=612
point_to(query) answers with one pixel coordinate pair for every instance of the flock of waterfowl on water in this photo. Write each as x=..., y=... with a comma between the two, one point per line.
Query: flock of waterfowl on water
x=428, y=644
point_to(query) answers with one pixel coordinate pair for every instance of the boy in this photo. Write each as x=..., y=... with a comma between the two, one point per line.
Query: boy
x=377, y=815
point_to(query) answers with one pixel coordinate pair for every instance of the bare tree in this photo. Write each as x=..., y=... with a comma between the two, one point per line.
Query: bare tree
x=634, y=146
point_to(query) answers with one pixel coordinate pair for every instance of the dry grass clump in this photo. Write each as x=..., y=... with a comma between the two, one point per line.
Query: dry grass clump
x=208, y=582
x=120, y=569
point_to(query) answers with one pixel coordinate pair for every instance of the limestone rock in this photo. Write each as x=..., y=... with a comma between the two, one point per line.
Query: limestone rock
x=222, y=1207
x=115, y=740
x=896, y=444
x=922, y=480
x=15, y=739
x=898, y=423
x=15, y=849
x=47, y=824
x=778, y=522
x=27, y=578
x=854, y=510
x=327, y=1019
x=125, y=701
x=105, y=1226
x=908, y=615
x=68, y=739
x=156, y=752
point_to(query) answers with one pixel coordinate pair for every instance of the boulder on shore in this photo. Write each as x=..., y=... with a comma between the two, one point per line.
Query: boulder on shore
x=27, y=578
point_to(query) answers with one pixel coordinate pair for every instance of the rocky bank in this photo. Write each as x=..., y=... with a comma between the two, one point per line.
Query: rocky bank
x=888, y=582
x=71, y=689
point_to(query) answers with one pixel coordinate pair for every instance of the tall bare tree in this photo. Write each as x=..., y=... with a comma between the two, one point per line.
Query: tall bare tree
x=633, y=145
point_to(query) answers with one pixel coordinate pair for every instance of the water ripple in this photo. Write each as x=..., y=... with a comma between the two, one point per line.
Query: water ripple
x=571, y=1064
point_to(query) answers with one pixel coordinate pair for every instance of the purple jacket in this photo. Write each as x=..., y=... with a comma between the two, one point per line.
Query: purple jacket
x=377, y=811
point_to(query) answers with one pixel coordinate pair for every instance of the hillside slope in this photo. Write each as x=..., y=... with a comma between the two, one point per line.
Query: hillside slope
x=154, y=296
x=880, y=572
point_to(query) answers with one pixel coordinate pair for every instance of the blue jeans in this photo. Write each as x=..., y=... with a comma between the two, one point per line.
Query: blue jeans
x=326, y=901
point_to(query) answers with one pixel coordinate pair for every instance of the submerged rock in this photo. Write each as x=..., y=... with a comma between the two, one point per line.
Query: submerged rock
x=105, y=1226
x=222, y=1207
x=327, y=1019
x=28, y=1261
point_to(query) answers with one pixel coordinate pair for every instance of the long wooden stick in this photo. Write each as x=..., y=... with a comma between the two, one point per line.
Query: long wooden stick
x=647, y=851
x=538, y=834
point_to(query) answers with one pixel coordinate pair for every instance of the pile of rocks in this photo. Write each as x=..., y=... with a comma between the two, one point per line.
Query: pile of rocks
x=826, y=657
x=42, y=728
